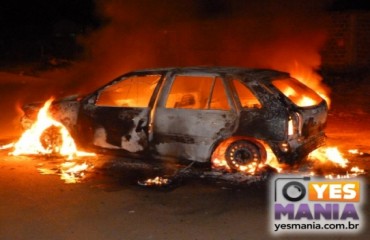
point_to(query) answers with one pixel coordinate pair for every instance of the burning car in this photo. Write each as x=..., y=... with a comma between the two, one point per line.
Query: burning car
x=197, y=114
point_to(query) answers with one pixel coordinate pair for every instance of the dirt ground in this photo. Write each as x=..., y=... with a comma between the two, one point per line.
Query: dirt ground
x=109, y=204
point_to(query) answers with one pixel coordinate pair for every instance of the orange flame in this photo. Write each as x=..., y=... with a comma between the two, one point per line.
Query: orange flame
x=157, y=181
x=219, y=162
x=30, y=142
x=7, y=146
x=329, y=154
x=324, y=155
x=73, y=172
x=334, y=156
x=307, y=76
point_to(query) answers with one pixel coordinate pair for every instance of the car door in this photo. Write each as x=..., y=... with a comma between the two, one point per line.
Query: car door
x=117, y=115
x=262, y=115
x=194, y=112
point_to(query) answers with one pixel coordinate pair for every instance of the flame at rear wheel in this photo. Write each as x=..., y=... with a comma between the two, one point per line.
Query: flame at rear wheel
x=239, y=155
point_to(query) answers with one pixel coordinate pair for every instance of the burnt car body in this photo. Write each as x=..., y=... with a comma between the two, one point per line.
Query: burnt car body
x=188, y=113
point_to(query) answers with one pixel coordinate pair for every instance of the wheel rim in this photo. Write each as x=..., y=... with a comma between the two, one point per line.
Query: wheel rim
x=51, y=139
x=242, y=154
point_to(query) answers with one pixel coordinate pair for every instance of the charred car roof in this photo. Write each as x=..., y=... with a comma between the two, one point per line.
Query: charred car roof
x=250, y=73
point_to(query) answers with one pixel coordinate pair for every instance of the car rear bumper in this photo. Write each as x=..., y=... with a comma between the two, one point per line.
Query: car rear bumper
x=295, y=150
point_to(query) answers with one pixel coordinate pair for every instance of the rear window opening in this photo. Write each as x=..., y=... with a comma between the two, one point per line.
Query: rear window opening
x=297, y=92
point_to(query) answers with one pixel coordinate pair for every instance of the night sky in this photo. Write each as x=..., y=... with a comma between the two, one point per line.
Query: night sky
x=111, y=37
x=29, y=27
x=32, y=19
x=36, y=18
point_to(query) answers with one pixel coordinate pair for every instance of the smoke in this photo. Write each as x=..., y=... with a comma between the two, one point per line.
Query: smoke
x=149, y=33
x=134, y=34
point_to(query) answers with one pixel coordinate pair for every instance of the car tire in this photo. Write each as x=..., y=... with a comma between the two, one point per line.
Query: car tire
x=241, y=154
x=51, y=139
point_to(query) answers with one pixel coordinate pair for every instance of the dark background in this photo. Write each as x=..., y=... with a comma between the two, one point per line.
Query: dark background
x=62, y=47
x=41, y=30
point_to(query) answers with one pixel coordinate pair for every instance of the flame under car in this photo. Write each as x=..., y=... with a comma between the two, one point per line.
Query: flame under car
x=192, y=113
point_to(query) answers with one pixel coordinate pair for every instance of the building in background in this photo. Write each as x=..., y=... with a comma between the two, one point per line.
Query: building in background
x=348, y=44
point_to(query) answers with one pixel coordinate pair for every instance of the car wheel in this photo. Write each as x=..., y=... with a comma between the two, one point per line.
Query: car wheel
x=51, y=139
x=241, y=155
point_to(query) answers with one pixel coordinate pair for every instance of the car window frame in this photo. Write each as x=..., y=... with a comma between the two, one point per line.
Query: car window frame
x=236, y=96
x=92, y=98
x=170, y=78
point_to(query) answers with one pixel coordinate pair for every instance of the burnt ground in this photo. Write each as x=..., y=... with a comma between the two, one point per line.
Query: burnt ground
x=109, y=204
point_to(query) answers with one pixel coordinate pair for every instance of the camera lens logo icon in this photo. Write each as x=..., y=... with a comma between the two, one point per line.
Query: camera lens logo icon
x=294, y=191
